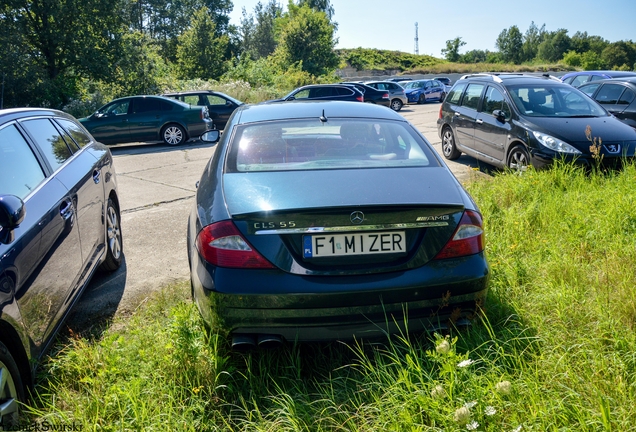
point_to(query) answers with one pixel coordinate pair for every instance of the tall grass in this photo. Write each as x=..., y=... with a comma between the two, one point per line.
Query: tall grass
x=556, y=349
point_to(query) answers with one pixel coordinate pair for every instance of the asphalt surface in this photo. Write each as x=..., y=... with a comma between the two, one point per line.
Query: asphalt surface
x=157, y=184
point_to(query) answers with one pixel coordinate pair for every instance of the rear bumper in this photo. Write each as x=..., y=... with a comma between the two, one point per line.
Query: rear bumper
x=320, y=308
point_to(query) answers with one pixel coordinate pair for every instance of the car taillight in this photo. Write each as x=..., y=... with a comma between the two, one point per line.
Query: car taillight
x=223, y=245
x=360, y=98
x=205, y=114
x=385, y=96
x=440, y=112
x=468, y=238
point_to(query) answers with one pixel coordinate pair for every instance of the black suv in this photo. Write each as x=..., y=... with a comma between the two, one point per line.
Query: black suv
x=516, y=120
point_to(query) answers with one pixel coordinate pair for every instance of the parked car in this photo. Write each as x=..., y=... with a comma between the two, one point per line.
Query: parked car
x=444, y=80
x=323, y=92
x=617, y=95
x=517, y=120
x=147, y=118
x=59, y=223
x=577, y=78
x=300, y=231
x=371, y=94
x=220, y=106
x=396, y=93
x=398, y=79
x=422, y=91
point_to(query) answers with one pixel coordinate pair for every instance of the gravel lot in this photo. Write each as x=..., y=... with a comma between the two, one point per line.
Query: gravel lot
x=156, y=186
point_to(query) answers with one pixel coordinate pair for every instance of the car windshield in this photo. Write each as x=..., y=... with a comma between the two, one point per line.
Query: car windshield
x=310, y=144
x=545, y=100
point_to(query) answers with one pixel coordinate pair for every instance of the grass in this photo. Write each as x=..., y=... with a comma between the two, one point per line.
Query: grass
x=555, y=351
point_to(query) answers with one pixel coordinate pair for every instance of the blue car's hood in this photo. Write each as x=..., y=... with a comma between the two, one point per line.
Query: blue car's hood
x=295, y=190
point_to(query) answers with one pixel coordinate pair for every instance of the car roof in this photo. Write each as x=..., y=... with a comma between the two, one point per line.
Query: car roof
x=511, y=78
x=610, y=73
x=9, y=114
x=627, y=79
x=309, y=109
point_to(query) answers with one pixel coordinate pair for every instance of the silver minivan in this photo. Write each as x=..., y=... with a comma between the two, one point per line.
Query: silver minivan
x=396, y=93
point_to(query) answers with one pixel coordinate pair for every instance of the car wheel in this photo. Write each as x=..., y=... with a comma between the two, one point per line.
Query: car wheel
x=448, y=145
x=173, y=134
x=518, y=159
x=11, y=390
x=422, y=99
x=114, y=244
x=396, y=104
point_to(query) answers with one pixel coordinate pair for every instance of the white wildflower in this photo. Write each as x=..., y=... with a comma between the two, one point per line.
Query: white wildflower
x=469, y=405
x=465, y=363
x=473, y=425
x=438, y=392
x=443, y=347
x=490, y=411
x=518, y=429
x=503, y=387
x=462, y=415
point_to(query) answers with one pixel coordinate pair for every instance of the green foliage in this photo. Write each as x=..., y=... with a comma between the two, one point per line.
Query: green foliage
x=451, y=52
x=365, y=58
x=305, y=40
x=510, y=44
x=258, y=37
x=554, y=46
x=200, y=52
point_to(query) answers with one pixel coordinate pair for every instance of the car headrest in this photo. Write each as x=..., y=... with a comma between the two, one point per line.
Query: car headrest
x=359, y=131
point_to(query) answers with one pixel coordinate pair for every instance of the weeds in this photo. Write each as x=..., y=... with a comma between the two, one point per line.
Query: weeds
x=554, y=351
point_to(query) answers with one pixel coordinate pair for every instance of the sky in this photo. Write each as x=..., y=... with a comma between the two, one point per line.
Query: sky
x=390, y=24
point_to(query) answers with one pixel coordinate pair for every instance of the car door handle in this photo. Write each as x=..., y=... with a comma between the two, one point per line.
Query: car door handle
x=97, y=175
x=67, y=211
x=457, y=114
x=479, y=121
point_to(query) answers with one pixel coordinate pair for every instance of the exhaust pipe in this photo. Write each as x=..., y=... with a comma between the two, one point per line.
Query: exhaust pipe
x=269, y=341
x=243, y=342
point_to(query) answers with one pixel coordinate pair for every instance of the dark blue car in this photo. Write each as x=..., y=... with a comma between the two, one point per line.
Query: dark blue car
x=422, y=91
x=331, y=220
x=576, y=79
x=59, y=223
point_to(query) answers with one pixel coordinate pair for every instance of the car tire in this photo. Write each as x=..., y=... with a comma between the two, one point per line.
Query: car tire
x=173, y=134
x=518, y=159
x=421, y=99
x=396, y=104
x=11, y=390
x=114, y=243
x=449, y=149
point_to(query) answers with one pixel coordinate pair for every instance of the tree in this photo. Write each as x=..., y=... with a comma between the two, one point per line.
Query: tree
x=61, y=41
x=451, y=52
x=320, y=6
x=510, y=43
x=200, y=52
x=554, y=46
x=306, y=39
x=531, y=41
x=258, y=32
x=474, y=56
x=619, y=55
x=166, y=20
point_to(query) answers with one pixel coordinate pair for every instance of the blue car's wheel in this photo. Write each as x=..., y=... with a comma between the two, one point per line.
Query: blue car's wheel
x=422, y=99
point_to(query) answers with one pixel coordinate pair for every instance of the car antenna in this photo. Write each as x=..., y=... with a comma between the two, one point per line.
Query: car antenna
x=322, y=117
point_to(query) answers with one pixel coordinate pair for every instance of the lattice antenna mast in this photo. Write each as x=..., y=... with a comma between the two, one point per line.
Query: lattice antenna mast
x=417, y=44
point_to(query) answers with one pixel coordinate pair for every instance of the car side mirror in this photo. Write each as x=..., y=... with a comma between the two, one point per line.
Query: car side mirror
x=291, y=98
x=210, y=136
x=12, y=212
x=499, y=115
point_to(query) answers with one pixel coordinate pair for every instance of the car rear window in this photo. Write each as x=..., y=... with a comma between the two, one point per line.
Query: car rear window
x=339, y=143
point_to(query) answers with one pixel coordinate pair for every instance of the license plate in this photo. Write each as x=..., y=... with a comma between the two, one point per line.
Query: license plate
x=327, y=245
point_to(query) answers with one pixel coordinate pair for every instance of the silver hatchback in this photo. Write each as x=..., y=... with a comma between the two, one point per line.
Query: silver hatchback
x=396, y=93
